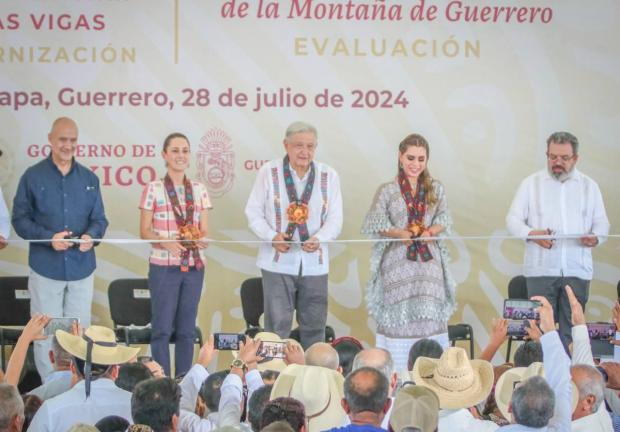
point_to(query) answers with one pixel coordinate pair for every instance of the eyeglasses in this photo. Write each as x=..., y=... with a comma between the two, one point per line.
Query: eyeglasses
x=564, y=158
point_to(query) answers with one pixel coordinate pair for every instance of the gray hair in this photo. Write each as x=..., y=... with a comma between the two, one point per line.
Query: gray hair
x=533, y=402
x=564, y=138
x=377, y=358
x=62, y=359
x=366, y=389
x=300, y=127
x=11, y=405
x=590, y=383
x=322, y=354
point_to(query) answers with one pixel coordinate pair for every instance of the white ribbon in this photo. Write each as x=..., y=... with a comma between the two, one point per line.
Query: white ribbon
x=369, y=240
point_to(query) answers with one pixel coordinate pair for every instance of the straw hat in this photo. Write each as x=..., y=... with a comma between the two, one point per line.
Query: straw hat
x=506, y=384
x=105, y=350
x=321, y=390
x=415, y=406
x=457, y=381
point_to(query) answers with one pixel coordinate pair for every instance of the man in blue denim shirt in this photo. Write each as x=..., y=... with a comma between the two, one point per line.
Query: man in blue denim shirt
x=56, y=199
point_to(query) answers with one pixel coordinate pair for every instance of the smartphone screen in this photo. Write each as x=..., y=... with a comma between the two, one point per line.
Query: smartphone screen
x=60, y=323
x=270, y=349
x=515, y=309
x=601, y=331
x=517, y=328
x=228, y=341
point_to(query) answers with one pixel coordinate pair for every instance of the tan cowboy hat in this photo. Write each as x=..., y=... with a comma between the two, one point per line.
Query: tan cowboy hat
x=506, y=384
x=415, y=406
x=319, y=389
x=275, y=364
x=457, y=381
x=105, y=350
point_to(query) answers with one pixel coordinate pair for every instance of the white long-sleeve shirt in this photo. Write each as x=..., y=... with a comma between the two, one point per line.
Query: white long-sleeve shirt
x=59, y=413
x=574, y=206
x=557, y=374
x=266, y=214
x=5, y=222
x=231, y=396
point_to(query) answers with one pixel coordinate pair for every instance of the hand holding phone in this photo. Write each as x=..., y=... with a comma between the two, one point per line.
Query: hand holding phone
x=228, y=341
x=271, y=350
x=518, y=328
x=521, y=309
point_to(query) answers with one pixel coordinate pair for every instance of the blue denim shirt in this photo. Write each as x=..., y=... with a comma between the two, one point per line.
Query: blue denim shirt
x=46, y=203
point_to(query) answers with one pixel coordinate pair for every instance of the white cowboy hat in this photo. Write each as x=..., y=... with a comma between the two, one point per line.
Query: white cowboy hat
x=105, y=350
x=506, y=384
x=319, y=389
x=457, y=381
x=96, y=346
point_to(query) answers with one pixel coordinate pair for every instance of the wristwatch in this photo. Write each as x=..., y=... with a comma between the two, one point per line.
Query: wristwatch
x=237, y=363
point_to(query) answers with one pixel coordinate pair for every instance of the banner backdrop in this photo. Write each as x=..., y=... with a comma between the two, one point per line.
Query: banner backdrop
x=486, y=82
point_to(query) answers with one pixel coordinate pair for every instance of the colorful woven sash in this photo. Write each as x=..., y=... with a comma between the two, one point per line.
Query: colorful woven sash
x=292, y=197
x=184, y=220
x=416, y=209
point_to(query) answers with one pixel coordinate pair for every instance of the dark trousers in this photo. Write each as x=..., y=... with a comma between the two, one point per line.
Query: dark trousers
x=174, y=306
x=552, y=287
x=284, y=293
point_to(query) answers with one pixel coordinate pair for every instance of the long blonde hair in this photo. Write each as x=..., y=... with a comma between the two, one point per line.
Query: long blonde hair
x=415, y=140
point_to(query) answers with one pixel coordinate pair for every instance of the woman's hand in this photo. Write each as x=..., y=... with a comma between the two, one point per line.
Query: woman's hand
x=405, y=236
x=174, y=248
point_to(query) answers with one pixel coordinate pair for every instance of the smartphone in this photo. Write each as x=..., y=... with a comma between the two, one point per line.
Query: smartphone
x=228, y=341
x=517, y=328
x=601, y=330
x=517, y=309
x=60, y=323
x=271, y=349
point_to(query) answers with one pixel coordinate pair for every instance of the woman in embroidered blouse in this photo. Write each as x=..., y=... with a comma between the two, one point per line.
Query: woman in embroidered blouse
x=175, y=208
x=410, y=293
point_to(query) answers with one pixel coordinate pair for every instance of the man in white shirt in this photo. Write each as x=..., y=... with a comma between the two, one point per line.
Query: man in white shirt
x=559, y=201
x=96, y=357
x=590, y=414
x=61, y=379
x=295, y=199
x=531, y=402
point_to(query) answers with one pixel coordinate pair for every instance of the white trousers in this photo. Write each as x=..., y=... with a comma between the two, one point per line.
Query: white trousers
x=71, y=299
x=399, y=349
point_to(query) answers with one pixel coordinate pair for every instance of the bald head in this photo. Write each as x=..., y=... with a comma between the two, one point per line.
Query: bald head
x=63, y=141
x=322, y=354
x=375, y=358
x=61, y=123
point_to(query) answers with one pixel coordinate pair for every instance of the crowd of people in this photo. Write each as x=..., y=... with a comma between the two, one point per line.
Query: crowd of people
x=338, y=387
x=295, y=208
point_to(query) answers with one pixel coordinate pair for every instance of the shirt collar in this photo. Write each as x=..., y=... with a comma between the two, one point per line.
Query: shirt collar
x=54, y=167
x=58, y=374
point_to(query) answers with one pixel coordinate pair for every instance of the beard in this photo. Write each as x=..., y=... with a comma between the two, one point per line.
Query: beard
x=562, y=175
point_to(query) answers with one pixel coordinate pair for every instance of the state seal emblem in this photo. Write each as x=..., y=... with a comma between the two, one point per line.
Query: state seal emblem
x=216, y=162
